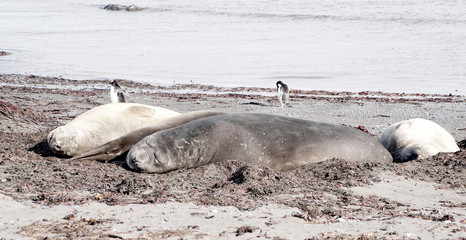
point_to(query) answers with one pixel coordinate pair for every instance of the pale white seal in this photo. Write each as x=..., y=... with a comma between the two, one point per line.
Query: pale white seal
x=416, y=138
x=103, y=124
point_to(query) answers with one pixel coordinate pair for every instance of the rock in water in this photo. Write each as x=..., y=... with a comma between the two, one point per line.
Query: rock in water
x=118, y=7
x=114, y=7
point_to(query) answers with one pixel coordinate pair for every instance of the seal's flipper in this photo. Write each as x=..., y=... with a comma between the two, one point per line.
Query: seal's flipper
x=105, y=152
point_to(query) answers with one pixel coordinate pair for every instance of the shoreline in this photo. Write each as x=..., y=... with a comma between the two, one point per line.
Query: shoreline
x=46, y=196
x=447, y=110
x=35, y=81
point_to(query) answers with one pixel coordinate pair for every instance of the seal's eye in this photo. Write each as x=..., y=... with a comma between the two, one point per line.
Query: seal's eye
x=411, y=156
x=156, y=160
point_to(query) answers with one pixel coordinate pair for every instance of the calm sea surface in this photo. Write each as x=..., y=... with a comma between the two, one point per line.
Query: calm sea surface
x=353, y=45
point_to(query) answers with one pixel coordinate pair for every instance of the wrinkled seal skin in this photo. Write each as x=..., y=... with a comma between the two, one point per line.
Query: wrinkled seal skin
x=103, y=124
x=120, y=145
x=416, y=138
x=275, y=141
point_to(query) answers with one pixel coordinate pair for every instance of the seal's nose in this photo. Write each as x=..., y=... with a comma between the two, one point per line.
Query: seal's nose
x=136, y=158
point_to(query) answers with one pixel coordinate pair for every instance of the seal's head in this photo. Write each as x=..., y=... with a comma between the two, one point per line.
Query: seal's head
x=416, y=151
x=148, y=157
x=63, y=142
x=164, y=151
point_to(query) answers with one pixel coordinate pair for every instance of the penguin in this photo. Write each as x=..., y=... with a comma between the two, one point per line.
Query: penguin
x=283, y=93
x=116, y=93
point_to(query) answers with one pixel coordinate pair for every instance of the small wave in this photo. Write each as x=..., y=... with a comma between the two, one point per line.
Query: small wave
x=264, y=15
x=159, y=9
x=296, y=77
x=415, y=21
x=375, y=18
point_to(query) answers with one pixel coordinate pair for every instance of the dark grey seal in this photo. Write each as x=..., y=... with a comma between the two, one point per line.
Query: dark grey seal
x=275, y=141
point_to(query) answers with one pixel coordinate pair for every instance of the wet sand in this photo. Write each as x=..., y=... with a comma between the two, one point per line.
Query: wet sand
x=45, y=196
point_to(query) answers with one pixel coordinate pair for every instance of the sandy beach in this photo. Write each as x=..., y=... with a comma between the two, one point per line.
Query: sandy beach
x=43, y=196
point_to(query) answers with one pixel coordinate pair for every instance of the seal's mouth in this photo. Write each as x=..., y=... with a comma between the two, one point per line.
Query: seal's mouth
x=59, y=144
x=60, y=150
x=56, y=148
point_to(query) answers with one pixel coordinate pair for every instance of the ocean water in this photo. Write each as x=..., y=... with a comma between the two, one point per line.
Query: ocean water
x=413, y=46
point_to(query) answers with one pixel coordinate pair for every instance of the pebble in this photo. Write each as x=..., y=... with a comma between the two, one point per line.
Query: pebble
x=341, y=219
x=147, y=192
x=385, y=228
